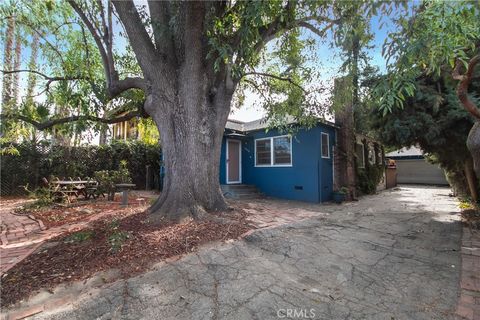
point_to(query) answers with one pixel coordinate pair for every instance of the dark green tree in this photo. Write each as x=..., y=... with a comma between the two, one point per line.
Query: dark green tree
x=440, y=39
x=434, y=119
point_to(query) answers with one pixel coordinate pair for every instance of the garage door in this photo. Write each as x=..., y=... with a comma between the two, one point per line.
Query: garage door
x=419, y=171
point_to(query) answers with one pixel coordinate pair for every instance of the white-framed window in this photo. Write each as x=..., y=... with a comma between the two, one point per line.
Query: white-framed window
x=263, y=152
x=325, y=145
x=360, y=151
x=274, y=151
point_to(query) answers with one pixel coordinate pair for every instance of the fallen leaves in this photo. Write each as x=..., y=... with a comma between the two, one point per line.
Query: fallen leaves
x=77, y=256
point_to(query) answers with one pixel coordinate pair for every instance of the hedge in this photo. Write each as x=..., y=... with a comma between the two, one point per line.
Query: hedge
x=37, y=160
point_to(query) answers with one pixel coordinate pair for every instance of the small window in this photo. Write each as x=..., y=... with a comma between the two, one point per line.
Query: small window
x=263, y=150
x=282, y=151
x=325, y=145
x=359, y=150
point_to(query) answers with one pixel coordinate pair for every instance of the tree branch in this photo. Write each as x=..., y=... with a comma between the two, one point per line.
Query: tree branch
x=98, y=40
x=49, y=79
x=54, y=122
x=104, y=44
x=137, y=34
x=160, y=17
x=462, y=88
x=311, y=27
x=263, y=74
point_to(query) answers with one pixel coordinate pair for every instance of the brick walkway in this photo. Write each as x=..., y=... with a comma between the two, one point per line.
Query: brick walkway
x=469, y=302
x=17, y=232
x=22, y=234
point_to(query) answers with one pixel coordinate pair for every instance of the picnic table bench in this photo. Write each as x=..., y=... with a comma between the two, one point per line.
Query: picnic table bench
x=67, y=188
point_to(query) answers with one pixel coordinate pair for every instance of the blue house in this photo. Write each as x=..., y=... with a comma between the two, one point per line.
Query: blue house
x=298, y=167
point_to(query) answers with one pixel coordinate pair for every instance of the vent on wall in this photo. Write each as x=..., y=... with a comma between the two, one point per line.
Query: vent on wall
x=298, y=187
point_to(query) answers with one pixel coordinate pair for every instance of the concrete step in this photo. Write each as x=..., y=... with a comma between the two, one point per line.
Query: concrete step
x=241, y=191
x=238, y=186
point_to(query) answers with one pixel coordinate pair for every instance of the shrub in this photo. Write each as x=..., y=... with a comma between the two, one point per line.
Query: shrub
x=42, y=159
x=43, y=198
x=79, y=236
x=369, y=177
x=107, y=179
x=117, y=237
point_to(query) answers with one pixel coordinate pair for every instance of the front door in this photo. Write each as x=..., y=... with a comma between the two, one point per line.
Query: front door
x=234, y=156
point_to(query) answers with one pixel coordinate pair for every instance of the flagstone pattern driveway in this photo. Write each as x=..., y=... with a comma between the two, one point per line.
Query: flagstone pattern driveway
x=395, y=255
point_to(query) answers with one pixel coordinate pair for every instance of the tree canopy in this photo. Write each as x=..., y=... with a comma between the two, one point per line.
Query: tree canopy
x=433, y=119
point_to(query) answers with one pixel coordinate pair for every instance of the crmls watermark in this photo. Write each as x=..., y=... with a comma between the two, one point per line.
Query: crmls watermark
x=296, y=313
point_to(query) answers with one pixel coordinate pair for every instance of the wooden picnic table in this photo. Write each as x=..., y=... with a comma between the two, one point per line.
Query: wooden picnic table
x=73, y=182
x=74, y=187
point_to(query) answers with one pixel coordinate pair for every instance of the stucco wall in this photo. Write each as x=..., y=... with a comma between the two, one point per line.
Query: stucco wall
x=308, y=179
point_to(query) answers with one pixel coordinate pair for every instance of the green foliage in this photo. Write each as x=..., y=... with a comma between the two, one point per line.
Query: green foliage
x=369, y=177
x=434, y=120
x=430, y=43
x=343, y=190
x=148, y=131
x=43, y=198
x=107, y=179
x=80, y=236
x=65, y=50
x=37, y=160
x=116, y=237
x=465, y=204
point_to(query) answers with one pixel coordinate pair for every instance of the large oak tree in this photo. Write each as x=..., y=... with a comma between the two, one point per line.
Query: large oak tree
x=193, y=57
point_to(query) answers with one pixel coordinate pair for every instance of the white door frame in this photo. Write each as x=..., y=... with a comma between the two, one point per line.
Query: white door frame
x=239, y=161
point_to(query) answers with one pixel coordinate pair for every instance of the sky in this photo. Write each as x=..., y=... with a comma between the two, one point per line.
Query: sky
x=327, y=63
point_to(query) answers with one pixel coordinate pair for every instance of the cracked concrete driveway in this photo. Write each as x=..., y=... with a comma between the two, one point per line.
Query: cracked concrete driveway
x=390, y=256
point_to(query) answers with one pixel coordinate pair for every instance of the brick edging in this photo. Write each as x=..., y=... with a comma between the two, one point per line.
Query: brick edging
x=468, y=306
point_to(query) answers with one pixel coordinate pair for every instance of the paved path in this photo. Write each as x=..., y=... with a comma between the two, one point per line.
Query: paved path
x=391, y=256
x=15, y=236
x=23, y=234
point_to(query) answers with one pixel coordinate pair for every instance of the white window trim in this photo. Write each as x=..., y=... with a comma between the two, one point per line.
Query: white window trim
x=272, y=152
x=239, y=162
x=328, y=145
x=363, y=155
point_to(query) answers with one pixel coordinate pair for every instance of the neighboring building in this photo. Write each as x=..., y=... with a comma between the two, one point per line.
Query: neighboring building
x=412, y=167
x=298, y=167
x=371, y=151
x=125, y=130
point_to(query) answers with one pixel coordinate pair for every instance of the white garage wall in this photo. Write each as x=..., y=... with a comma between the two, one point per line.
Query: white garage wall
x=419, y=171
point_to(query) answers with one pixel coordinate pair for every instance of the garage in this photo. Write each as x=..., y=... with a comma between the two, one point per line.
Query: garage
x=413, y=168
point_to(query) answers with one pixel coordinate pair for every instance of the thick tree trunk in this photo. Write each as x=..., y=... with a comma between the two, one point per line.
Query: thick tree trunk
x=188, y=95
x=473, y=145
x=191, y=134
x=471, y=180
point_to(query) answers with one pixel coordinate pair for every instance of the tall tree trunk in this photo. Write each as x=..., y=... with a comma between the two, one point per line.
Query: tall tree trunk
x=8, y=62
x=103, y=135
x=473, y=139
x=190, y=105
x=191, y=134
x=32, y=65
x=16, y=66
x=473, y=145
x=471, y=180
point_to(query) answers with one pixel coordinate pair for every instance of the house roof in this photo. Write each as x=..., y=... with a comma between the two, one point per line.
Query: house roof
x=261, y=124
x=406, y=152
